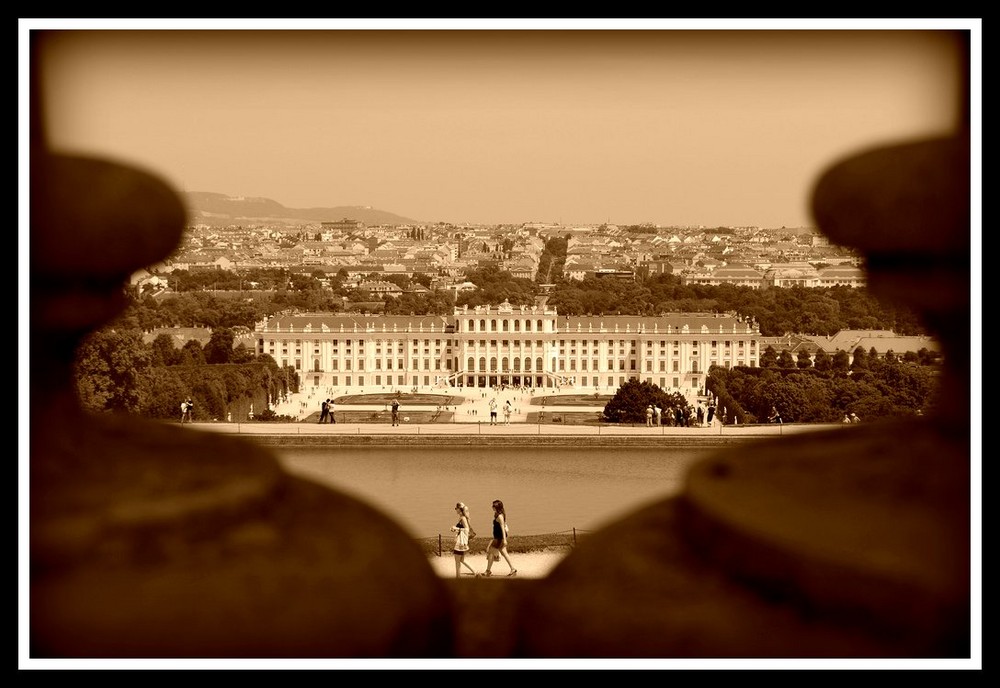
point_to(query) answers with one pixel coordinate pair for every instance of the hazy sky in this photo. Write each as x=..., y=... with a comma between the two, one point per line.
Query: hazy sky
x=709, y=127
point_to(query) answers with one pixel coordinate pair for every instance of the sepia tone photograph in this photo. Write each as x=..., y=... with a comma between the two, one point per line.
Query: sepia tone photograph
x=454, y=344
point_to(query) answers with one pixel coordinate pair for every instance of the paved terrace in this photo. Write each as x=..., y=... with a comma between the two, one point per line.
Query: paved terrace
x=469, y=417
x=535, y=415
x=507, y=432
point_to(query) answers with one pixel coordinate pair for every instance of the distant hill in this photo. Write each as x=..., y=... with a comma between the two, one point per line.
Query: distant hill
x=221, y=209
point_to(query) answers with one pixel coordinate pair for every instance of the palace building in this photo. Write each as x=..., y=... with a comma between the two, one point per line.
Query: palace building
x=505, y=345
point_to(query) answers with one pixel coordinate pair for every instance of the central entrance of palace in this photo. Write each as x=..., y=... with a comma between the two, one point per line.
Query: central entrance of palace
x=497, y=380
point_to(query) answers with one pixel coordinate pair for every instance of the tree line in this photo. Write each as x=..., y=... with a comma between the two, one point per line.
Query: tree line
x=800, y=389
x=822, y=311
x=870, y=386
x=116, y=370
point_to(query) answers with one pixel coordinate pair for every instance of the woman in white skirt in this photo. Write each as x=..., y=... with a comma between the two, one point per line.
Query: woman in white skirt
x=462, y=531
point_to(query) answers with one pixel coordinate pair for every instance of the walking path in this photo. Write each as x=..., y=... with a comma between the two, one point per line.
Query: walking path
x=473, y=403
x=522, y=430
x=471, y=416
x=527, y=564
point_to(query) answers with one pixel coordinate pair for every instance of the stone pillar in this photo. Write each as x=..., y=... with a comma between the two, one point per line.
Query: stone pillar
x=149, y=540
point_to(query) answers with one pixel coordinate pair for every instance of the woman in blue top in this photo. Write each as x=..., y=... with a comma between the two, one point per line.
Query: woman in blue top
x=498, y=546
x=462, y=529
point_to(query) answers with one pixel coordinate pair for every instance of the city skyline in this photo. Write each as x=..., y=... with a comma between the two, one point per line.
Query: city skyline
x=670, y=127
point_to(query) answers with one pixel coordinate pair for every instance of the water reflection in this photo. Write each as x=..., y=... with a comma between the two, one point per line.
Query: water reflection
x=545, y=490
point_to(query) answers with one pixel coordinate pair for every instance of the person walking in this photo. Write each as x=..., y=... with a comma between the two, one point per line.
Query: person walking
x=649, y=416
x=187, y=411
x=700, y=413
x=395, y=412
x=711, y=413
x=493, y=411
x=498, y=545
x=331, y=408
x=657, y=416
x=507, y=409
x=463, y=531
x=324, y=411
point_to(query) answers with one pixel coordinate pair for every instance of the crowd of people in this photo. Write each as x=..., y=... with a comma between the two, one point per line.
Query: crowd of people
x=680, y=417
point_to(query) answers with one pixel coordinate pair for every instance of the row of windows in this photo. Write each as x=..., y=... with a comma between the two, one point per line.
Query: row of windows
x=633, y=343
x=505, y=365
x=378, y=380
x=505, y=326
x=361, y=342
x=515, y=365
x=360, y=364
x=622, y=343
x=562, y=342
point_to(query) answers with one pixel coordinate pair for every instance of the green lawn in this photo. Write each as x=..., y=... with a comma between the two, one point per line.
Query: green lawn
x=572, y=400
x=566, y=418
x=404, y=399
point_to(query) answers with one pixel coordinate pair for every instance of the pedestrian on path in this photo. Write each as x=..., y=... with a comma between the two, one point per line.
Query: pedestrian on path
x=498, y=545
x=324, y=411
x=463, y=531
x=506, y=412
x=649, y=416
x=493, y=411
x=395, y=412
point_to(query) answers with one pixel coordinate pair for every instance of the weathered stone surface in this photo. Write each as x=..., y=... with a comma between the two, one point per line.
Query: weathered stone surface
x=153, y=541
x=842, y=544
x=149, y=540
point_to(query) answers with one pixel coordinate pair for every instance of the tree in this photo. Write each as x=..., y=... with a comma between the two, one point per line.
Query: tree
x=192, y=353
x=630, y=402
x=860, y=360
x=162, y=351
x=804, y=360
x=840, y=362
x=110, y=369
x=822, y=361
x=785, y=359
x=769, y=359
x=242, y=354
x=220, y=346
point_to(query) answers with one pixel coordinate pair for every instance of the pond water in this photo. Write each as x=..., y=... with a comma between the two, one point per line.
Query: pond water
x=544, y=490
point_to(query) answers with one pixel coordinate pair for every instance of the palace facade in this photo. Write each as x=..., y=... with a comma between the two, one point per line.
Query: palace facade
x=504, y=345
